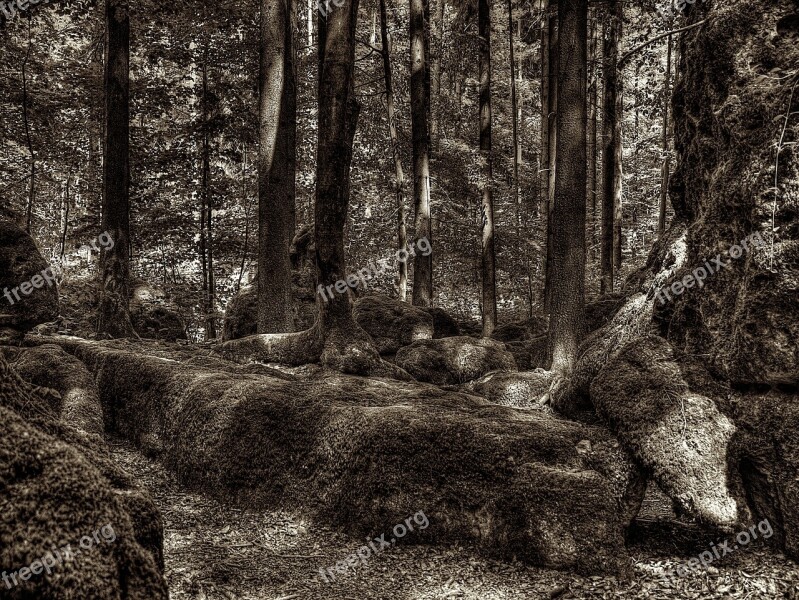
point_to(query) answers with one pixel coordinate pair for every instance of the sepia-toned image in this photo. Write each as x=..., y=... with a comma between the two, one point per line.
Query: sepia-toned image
x=399, y=300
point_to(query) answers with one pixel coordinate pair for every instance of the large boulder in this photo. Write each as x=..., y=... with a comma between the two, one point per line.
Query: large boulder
x=364, y=453
x=730, y=114
x=113, y=531
x=454, y=360
x=22, y=269
x=444, y=324
x=48, y=366
x=765, y=453
x=391, y=323
x=523, y=389
x=153, y=314
x=675, y=432
x=241, y=314
x=520, y=331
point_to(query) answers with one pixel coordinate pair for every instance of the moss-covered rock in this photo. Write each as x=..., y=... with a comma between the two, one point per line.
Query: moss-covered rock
x=454, y=360
x=364, y=453
x=444, y=324
x=49, y=366
x=518, y=331
x=153, y=314
x=523, y=389
x=55, y=489
x=765, y=453
x=21, y=264
x=392, y=324
x=675, y=432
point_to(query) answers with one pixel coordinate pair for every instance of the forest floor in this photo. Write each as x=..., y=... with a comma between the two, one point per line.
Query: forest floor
x=215, y=551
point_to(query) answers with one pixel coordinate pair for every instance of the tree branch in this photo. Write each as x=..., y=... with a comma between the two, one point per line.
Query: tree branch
x=656, y=38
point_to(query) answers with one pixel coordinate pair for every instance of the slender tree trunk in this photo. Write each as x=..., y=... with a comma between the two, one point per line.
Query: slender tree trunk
x=544, y=162
x=420, y=102
x=611, y=129
x=488, y=257
x=568, y=223
x=399, y=176
x=206, y=210
x=435, y=73
x=664, y=180
x=592, y=127
x=31, y=187
x=515, y=116
x=114, y=315
x=554, y=42
x=65, y=217
x=276, y=166
x=246, y=204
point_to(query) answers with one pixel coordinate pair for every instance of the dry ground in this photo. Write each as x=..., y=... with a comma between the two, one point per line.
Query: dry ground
x=214, y=551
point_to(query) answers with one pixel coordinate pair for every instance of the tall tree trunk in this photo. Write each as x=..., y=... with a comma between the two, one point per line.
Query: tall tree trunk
x=437, y=29
x=543, y=169
x=611, y=144
x=65, y=217
x=114, y=315
x=31, y=187
x=592, y=127
x=664, y=179
x=516, y=117
x=554, y=91
x=568, y=223
x=399, y=176
x=420, y=102
x=488, y=258
x=276, y=166
x=206, y=211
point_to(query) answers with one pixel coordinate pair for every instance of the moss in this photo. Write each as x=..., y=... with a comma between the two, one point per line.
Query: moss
x=676, y=433
x=523, y=389
x=364, y=453
x=454, y=360
x=392, y=324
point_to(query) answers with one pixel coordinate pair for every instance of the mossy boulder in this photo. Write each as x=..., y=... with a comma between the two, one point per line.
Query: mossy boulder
x=365, y=453
x=50, y=367
x=444, y=324
x=673, y=431
x=454, y=360
x=392, y=324
x=523, y=389
x=46, y=466
x=153, y=314
x=21, y=264
x=765, y=454
x=518, y=331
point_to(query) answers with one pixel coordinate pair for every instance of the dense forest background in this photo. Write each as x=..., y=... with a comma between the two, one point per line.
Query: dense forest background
x=51, y=107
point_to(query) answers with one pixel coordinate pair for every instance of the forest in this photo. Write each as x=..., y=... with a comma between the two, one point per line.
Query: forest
x=366, y=299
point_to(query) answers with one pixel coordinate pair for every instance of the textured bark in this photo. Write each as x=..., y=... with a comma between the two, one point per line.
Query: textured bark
x=399, y=176
x=568, y=222
x=543, y=167
x=611, y=143
x=488, y=258
x=592, y=127
x=276, y=165
x=664, y=180
x=437, y=30
x=114, y=314
x=206, y=211
x=420, y=102
x=552, y=133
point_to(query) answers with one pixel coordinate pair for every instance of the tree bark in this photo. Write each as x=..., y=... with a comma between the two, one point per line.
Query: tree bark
x=114, y=315
x=435, y=73
x=31, y=187
x=611, y=145
x=206, y=212
x=516, y=117
x=554, y=44
x=592, y=128
x=568, y=223
x=276, y=165
x=664, y=180
x=488, y=257
x=420, y=102
x=544, y=161
x=399, y=176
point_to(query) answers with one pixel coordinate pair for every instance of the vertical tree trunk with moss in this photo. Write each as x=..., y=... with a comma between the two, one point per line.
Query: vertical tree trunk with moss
x=568, y=214
x=420, y=103
x=276, y=165
x=114, y=313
